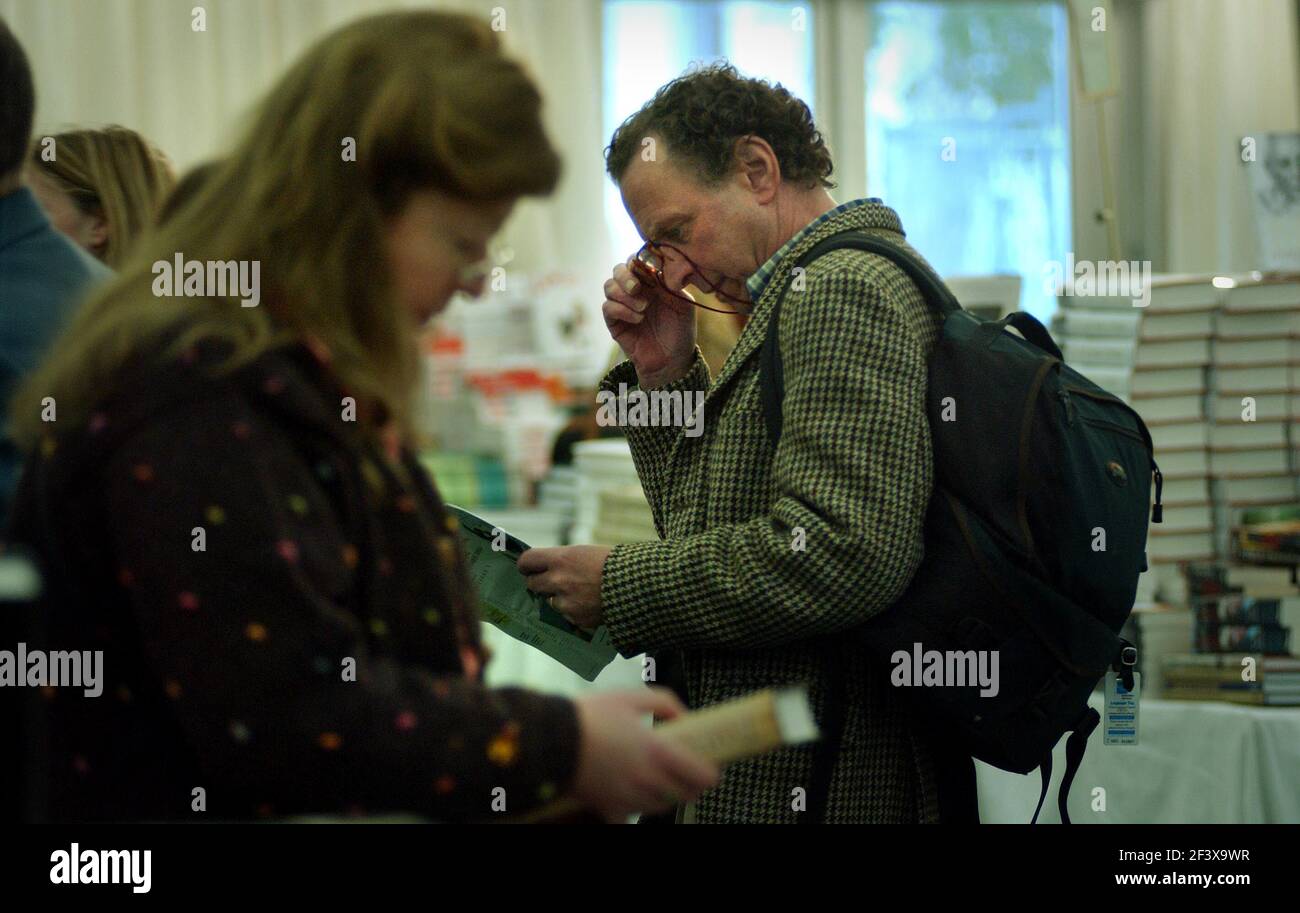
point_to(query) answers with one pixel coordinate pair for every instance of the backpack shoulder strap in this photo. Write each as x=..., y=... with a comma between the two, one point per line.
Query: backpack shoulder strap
x=771, y=373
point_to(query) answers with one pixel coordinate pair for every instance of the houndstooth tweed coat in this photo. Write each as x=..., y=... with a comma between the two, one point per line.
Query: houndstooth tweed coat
x=727, y=586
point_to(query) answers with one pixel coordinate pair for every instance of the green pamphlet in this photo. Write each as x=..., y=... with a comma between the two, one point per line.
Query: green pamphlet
x=506, y=603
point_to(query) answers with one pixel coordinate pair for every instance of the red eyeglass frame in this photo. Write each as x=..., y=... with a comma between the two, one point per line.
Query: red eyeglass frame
x=648, y=273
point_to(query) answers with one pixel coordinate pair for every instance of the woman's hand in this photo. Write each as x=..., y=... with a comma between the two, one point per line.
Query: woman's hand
x=626, y=767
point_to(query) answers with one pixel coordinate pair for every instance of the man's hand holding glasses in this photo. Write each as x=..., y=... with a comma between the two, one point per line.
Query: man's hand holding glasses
x=653, y=323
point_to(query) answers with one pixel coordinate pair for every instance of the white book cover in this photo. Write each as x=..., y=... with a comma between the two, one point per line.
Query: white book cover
x=1112, y=353
x=1246, y=463
x=1178, y=492
x=1256, y=324
x=1265, y=407
x=1253, y=381
x=1262, y=296
x=1264, y=582
x=1187, y=325
x=1182, y=436
x=1165, y=410
x=1175, y=546
x=1244, y=353
x=1178, y=353
x=1080, y=297
x=1275, y=489
x=1110, y=378
x=1086, y=322
x=1180, y=292
x=1166, y=381
x=1183, y=464
x=1241, y=435
x=1189, y=518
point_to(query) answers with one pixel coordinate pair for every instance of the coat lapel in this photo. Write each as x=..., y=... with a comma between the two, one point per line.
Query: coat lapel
x=867, y=216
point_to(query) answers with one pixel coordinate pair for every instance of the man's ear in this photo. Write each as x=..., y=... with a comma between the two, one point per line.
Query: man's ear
x=757, y=165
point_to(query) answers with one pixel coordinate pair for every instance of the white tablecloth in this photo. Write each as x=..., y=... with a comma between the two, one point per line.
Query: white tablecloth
x=1196, y=762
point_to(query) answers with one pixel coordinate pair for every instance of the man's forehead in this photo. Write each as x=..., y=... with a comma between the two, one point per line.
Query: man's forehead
x=653, y=196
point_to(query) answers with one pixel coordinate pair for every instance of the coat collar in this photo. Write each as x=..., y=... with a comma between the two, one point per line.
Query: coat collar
x=757, y=283
x=869, y=216
x=20, y=216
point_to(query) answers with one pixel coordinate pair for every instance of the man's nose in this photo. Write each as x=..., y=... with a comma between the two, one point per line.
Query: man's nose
x=677, y=273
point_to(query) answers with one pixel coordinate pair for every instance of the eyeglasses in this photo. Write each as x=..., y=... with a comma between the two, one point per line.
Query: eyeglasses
x=480, y=269
x=474, y=272
x=648, y=266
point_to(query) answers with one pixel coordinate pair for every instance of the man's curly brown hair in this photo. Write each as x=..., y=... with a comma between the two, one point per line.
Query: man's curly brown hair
x=702, y=113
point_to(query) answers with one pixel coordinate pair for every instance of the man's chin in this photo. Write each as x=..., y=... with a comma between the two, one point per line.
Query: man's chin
x=735, y=289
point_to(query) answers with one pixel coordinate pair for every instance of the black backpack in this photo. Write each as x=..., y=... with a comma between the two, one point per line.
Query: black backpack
x=1034, y=537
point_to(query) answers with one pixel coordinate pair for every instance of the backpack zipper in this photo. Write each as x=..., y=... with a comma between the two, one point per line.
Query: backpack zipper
x=1157, y=510
x=1107, y=398
x=1118, y=429
x=1064, y=394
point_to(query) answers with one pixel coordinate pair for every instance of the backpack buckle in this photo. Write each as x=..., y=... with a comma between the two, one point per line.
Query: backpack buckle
x=1124, y=663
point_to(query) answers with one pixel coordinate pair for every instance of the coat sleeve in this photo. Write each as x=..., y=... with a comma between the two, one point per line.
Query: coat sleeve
x=853, y=471
x=249, y=637
x=651, y=445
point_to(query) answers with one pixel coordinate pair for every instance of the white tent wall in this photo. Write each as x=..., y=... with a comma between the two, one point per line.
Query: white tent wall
x=139, y=63
x=1212, y=73
x=1194, y=75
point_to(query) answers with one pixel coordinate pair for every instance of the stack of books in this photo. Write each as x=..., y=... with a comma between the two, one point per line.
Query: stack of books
x=1213, y=367
x=1242, y=678
x=602, y=467
x=1228, y=619
x=468, y=479
x=1097, y=335
x=1241, y=647
x=1169, y=390
x=1256, y=400
x=557, y=494
x=623, y=515
x=1268, y=536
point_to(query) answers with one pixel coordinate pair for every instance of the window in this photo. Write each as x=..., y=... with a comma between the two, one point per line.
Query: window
x=967, y=115
x=649, y=42
x=968, y=134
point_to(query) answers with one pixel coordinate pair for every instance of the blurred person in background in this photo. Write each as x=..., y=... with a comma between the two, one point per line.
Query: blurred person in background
x=186, y=189
x=229, y=505
x=101, y=188
x=42, y=274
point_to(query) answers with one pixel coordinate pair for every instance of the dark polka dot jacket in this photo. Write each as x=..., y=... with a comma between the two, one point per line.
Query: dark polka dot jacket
x=286, y=623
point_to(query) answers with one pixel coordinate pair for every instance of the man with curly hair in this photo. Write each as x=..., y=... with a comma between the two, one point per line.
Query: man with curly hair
x=768, y=556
